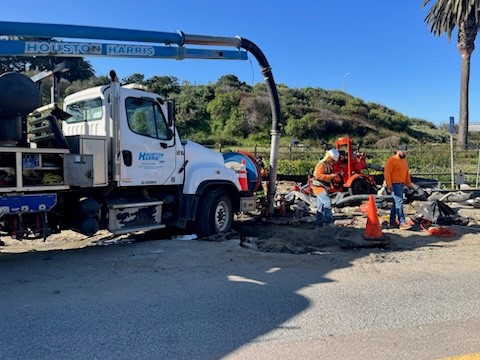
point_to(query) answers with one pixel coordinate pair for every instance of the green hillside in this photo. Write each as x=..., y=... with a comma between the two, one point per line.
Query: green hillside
x=231, y=112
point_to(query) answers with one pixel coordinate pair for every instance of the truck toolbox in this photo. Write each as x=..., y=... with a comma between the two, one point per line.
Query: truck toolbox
x=97, y=147
x=125, y=217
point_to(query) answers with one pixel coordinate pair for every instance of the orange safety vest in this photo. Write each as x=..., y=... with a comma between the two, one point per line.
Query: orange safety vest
x=320, y=181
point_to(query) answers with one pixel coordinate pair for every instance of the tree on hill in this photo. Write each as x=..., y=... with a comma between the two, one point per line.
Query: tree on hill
x=79, y=68
x=135, y=78
x=229, y=83
x=165, y=86
x=443, y=17
x=191, y=102
x=78, y=85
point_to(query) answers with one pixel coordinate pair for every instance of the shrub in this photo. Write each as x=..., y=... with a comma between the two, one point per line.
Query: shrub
x=296, y=167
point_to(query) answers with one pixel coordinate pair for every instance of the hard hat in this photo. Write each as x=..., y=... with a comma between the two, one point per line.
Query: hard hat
x=334, y=154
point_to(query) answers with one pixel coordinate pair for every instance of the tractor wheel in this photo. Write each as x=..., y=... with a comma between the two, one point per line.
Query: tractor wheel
x=360, y=186
x=214, y=213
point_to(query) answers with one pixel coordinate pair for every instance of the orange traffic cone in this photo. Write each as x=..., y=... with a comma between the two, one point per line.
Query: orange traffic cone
x=373, y=230
x=242, y=176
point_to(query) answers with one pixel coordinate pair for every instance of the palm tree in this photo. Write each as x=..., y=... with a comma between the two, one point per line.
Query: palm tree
x=443, y=17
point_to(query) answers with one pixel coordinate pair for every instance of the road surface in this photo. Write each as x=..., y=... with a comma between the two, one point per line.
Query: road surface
x=173, y=299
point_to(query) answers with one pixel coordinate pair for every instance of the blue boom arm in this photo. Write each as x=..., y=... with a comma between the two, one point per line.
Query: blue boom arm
x=174, y=42
x=76, y=49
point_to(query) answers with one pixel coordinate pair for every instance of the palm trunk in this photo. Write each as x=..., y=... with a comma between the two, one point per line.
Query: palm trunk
x=462, y=141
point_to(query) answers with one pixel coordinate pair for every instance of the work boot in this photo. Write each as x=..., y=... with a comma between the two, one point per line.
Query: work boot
x=405, y=227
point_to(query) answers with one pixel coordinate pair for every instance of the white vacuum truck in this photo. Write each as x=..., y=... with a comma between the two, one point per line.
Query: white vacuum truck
x=111, y=159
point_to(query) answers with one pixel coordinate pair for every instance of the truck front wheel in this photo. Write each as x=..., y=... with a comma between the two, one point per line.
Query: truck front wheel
x=214, y=213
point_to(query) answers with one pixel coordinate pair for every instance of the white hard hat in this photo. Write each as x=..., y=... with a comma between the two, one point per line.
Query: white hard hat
x=334, y=154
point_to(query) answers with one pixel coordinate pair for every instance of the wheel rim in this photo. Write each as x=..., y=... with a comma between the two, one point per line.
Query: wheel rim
x=222, y=215
x=360, y=186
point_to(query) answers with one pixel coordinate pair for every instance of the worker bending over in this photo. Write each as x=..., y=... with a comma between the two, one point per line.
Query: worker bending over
x=323, y=176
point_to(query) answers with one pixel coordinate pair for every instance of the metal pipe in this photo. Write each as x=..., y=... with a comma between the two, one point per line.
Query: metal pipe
x=276, y=118
x=478, y=168
x=88, y=32
x=115, y=116
x=212, y=40
x=105, y=33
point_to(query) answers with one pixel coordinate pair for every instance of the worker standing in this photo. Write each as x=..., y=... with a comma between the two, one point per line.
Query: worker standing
x=397, y=176
x=323, y=175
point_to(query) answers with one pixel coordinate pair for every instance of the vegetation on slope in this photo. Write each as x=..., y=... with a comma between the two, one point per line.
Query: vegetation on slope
x=231, y=112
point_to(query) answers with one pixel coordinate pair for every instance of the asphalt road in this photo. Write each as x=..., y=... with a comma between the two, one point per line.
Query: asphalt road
x=200, y=300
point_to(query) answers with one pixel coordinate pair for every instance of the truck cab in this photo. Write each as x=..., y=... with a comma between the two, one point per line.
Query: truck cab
x=151, y=152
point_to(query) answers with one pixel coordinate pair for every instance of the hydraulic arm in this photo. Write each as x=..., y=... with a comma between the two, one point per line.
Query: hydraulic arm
x=142, y=44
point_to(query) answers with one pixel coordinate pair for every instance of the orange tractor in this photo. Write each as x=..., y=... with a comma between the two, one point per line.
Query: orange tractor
x=352, y=170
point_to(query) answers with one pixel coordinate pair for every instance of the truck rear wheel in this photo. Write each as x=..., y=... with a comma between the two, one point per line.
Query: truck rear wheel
x=214, y=213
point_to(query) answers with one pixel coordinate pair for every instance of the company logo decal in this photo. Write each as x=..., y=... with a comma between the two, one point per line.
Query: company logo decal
x=72, y=48
x=150, y=156
x=45, y=47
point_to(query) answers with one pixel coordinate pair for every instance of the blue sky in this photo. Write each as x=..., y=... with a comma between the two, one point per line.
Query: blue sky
x=379, y=51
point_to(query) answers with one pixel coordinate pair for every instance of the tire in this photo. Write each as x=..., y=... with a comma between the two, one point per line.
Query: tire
x=360, y=186
x=89, y=227
x=89, y=208
x=214, y=213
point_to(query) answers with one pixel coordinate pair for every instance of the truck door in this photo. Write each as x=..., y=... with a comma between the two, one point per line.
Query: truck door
x=147, y=145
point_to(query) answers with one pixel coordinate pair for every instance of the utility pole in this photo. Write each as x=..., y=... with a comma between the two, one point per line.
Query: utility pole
x=452, y=131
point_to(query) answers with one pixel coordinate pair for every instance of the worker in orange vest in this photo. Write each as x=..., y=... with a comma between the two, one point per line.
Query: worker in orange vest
x=397, y=176
x=322, y=178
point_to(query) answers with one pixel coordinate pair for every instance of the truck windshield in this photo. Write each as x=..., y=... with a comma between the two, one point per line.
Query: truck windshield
x=86, y=110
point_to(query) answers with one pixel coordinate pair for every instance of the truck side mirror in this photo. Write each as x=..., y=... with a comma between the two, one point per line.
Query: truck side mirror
x=171, y=113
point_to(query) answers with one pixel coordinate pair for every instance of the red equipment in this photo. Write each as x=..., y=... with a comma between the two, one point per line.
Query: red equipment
x=350, y=170
x=351, y=166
